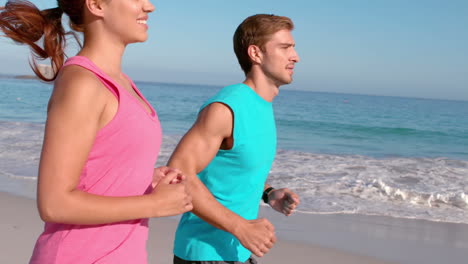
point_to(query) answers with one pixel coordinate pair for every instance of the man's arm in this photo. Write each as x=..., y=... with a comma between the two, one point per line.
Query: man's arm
x=193, y=153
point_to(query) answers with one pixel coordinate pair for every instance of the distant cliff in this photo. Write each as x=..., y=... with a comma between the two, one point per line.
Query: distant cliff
x=46, y=70
x=25, y=77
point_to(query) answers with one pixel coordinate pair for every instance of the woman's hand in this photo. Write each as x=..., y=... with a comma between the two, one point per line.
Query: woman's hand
x=161, y=172
x=170, y=194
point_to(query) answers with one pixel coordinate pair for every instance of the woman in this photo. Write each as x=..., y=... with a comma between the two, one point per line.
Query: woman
x=101, y=139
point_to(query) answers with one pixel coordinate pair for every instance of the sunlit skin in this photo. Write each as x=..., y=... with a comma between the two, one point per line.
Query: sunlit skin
x=279, y=58
x=106, y=39
x=129, y=26
x=272, y=65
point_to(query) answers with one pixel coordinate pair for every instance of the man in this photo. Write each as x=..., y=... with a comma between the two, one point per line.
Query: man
x=231, y=147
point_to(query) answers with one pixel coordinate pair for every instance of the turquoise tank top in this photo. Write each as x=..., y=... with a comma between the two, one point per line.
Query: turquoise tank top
x=235, y=177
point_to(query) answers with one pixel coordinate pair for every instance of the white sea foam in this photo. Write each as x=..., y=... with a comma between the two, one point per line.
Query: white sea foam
x=425, y=188
x=434, y=189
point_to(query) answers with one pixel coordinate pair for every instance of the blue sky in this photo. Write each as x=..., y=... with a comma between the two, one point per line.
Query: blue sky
x=413, y=48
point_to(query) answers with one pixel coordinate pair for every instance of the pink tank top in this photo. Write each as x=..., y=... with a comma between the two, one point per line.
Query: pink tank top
x=120, y=163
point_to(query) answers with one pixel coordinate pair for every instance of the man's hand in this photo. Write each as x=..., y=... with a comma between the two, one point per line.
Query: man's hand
x=258, y=236
x=283, y=200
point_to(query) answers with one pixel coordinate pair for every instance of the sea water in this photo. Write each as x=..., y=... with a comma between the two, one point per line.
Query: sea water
x=342, y=153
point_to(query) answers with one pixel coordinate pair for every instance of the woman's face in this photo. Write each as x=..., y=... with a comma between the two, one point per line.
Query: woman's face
x=126, y=19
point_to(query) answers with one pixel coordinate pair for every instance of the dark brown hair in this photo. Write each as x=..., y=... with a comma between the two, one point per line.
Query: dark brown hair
x=24, y=23
x=257, y=30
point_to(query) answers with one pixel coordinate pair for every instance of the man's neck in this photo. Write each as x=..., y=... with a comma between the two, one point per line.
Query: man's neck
x=262, y=86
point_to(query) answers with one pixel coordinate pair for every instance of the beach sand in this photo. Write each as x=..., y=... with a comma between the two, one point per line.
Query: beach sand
x=327, y=239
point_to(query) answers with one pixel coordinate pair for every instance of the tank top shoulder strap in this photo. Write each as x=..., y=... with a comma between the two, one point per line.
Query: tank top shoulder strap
x=89, y=65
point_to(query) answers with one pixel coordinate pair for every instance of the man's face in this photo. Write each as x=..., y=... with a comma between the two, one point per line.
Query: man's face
x=279, y=57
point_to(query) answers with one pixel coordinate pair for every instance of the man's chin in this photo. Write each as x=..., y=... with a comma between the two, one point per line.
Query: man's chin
x=281, y=82
x=288, y=81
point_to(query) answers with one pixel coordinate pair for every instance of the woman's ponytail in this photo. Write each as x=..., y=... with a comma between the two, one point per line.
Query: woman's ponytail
x=24, y=23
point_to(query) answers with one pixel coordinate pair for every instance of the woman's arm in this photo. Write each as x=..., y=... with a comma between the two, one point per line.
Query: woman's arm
x=78, y=108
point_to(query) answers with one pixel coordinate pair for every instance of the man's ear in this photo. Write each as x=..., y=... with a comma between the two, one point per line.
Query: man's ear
x=255, y=53
x=95, y=7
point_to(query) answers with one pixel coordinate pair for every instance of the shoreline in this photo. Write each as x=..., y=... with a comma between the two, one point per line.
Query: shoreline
x=20, y=226
x=302, y=238
x=398, y=240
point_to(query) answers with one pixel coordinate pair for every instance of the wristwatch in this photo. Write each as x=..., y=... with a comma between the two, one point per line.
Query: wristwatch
x=266, y=192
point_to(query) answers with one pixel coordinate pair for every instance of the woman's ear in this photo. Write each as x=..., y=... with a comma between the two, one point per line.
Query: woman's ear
x=95, y=7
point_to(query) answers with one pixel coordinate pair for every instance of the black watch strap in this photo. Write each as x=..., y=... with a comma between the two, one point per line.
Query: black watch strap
x=265, y=194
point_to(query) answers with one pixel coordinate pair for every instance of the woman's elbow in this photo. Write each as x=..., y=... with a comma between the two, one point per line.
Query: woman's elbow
x=50, y=211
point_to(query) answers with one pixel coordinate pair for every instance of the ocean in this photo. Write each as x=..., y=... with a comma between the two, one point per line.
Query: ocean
x=342, y=153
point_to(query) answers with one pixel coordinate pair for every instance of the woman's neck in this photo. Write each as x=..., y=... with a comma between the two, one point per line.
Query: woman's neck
x=106, y=54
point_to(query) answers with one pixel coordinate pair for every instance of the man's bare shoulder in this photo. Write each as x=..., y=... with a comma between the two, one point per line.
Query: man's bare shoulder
x=216, y=118
x=217, y=109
